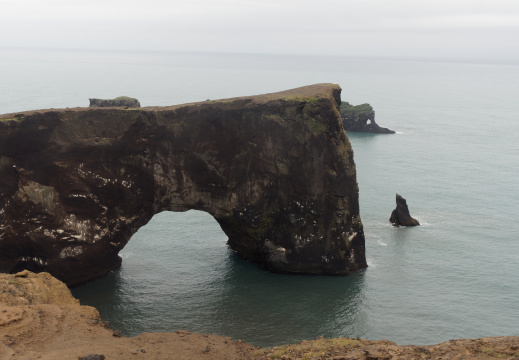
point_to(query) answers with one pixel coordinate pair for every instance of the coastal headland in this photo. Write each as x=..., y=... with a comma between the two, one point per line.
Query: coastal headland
x=276, y=171
x=40, y=319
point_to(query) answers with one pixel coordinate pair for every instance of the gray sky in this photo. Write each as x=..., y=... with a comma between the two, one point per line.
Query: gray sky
x=416, y=28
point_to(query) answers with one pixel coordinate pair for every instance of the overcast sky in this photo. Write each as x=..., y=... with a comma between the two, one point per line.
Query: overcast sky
x=416, y=28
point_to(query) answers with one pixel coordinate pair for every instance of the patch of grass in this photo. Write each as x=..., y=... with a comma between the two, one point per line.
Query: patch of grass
x=282, y=166
x=123, y=98
x=495, y=354
x=315, y=125
x=354, y=111
x=311, y=105
x=315, y=349
x=274, y=117
x=17, y=117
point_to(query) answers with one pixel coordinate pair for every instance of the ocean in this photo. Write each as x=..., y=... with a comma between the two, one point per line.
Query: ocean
x=455, y=158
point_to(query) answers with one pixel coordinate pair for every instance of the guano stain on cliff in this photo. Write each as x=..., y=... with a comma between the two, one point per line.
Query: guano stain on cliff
x=276, y=171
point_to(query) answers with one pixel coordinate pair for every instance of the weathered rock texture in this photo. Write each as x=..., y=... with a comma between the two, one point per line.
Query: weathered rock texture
x=401, y=216
x=361, y=118
x=40, y=319
x=118, y=101
x=276, y=171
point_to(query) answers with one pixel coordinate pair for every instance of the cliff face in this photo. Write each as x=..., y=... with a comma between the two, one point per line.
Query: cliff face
x=276, y=171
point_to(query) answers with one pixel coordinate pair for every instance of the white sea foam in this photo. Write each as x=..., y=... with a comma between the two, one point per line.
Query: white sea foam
x=126, y=254
x=422, y=221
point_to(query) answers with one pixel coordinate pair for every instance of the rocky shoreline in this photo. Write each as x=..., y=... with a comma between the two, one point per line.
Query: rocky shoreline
x=40, y=319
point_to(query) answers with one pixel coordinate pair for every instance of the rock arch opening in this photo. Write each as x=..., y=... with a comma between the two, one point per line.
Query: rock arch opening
x=185, y=240
x=177, y=273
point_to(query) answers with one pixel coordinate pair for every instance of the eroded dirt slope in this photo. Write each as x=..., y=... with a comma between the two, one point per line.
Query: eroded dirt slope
x=40, y=319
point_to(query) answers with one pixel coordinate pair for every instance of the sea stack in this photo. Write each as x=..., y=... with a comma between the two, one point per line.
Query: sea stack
x=361, y=118
x=401, y=216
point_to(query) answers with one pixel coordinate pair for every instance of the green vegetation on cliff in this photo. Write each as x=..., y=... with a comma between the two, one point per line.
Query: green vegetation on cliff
x=355, y=111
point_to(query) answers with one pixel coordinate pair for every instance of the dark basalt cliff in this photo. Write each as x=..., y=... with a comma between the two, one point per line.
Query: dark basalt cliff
x=276, y=171
x=361, y=118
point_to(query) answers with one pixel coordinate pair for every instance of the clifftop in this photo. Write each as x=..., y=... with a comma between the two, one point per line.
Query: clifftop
x=330, y=91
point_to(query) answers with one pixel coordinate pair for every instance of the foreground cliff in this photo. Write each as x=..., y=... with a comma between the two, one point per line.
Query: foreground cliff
x=39, y=319
x=276, y=171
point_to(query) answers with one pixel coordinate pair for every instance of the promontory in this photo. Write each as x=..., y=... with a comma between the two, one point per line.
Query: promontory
x=276, y=171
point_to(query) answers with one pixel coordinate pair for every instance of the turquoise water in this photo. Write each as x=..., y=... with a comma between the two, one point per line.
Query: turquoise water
x=455, y=158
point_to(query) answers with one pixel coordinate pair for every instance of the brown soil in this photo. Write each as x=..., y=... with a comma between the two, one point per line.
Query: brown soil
x=39, y=319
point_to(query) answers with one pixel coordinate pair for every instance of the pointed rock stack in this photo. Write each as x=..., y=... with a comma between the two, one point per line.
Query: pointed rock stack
x=401, y=216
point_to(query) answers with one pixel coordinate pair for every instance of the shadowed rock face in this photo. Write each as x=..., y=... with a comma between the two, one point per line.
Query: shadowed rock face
x=276, y=171
x=401, y=216
x=361, y=118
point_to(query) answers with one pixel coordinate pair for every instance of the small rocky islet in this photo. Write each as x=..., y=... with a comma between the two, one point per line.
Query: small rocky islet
x=401, y=216
x=361, y=118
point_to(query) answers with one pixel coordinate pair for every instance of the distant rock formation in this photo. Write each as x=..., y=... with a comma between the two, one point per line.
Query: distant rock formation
x=361, y=118
x=276, y=171
x=118, y=101
x=401, y=216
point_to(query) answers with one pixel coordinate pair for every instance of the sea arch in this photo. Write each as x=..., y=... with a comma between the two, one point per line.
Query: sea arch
x=276, y=171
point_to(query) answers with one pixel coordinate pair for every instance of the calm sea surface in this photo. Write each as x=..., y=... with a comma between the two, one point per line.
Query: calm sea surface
x=455, y=158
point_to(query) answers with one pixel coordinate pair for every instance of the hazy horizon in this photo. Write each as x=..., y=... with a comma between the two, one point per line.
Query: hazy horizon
x=456, y=29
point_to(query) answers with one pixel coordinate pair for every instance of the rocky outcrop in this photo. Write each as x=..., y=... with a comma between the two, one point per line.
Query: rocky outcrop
x=401, y=216
x=276, y=171
x=361, y=118
x=118, y=101
x=39, y=319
